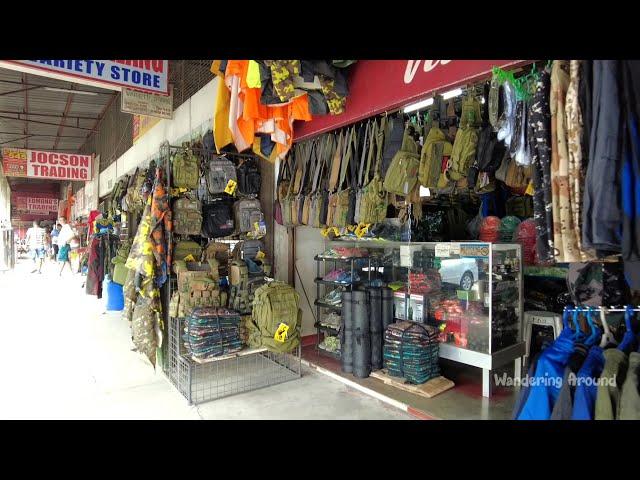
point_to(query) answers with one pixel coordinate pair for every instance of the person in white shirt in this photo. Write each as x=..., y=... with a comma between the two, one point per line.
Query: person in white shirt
x=64, y=237
x=36, y=239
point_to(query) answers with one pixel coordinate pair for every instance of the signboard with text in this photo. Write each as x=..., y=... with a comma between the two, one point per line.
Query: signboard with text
x=144, y=75
x=28, y=206
x=141, y=125
x=376, y=86
x=18, y=162
x=149, y=104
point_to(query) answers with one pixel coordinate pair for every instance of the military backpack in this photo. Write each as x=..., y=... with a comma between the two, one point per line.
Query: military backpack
x=277, y=316
x=187, y=216
x=186, y=170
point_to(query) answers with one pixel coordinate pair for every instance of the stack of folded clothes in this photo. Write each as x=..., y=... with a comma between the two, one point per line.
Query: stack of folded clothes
x=411, y=351
x=427, y=282
x=212, y=332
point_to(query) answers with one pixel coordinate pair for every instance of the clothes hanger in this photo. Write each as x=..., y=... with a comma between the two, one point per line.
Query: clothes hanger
x=607, y=336
x=578, y=336
x=629, y=337
x=595, y=333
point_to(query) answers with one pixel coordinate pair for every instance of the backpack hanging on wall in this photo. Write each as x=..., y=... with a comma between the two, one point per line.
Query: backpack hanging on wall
x=217, y=218
x=435, y=154
x=187, y=216
x=374, y=198
x=247, y=211
x=464, y=148
x=402, y=175
x=344, y=198
x=221, y=170
x=248, y=173
x=186, y=170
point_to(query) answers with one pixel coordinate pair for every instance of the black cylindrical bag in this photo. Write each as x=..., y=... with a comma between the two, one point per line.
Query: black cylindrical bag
x=387, y=308
x=361, y=335
x=346, y=334
x=375, y=302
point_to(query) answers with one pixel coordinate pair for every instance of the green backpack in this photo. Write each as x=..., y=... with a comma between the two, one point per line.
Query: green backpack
x=434, y=151
x=466, y=142
x=184, y=248
x=374, y=198
x=276, y=314
x=402, y=175
x=186, y=170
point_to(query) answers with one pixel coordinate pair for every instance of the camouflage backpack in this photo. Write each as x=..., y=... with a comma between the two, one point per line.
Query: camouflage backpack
x=186, y=170
x=187, y=216
x=135, y=200
x=184, y=248
x=276, y=314
x=402, y=175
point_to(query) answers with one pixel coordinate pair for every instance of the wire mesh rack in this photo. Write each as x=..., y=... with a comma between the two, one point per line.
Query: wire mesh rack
x=228, y=375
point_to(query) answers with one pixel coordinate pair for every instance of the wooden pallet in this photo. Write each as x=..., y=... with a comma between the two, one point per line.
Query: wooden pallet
x=429, y=389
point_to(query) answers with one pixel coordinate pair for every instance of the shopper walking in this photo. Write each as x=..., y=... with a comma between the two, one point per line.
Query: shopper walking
x=55, y=231
x=64, y=238
x=36, y=239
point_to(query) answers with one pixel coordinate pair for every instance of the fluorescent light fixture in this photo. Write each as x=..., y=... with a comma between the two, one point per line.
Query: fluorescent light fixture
x=429, y=101
x=453, y=93
x=66, y=90
x=417, y=106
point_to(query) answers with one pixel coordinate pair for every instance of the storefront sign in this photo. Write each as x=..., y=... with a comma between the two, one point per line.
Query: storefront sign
x=443, y=250
x=26, y=206
x=142, y=103
x=474, y=250
x=18, y=162
x=141, y=125
x=376, y=86
x=145, y=75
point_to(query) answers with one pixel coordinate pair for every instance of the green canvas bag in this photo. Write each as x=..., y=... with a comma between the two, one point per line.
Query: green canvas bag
x=435, y=151
x=402, y=175
x=186, y=170
x=375, y=200
x=276, y=310
x=466, y=142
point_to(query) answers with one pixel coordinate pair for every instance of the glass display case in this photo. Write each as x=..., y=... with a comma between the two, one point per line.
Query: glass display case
x=472, y=291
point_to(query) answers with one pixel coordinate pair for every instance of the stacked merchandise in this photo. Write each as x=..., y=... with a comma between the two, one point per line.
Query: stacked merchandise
x=212, y=332
x=508, y=226
x=426, y=282
x=411, y=351
x=525, y=235
x=197, y=287
x=490, y=229
x=258, y=100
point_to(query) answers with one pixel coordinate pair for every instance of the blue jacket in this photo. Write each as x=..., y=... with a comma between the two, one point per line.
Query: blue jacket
x=550, y=370
x=584, y=399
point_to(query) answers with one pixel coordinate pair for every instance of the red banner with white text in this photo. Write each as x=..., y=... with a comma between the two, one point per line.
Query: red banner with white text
x=18, y=162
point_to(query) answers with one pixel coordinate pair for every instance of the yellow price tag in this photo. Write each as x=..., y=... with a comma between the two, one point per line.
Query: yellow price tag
x=325, y=231
x=281, y=333
x=362, y=229
x=351, y=228
x=189, y=258
x=336, y=231
x=231, y=187
x=260, y=255
x=529, y=190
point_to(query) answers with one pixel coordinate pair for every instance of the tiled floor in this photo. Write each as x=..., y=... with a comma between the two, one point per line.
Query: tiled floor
x=463, y=402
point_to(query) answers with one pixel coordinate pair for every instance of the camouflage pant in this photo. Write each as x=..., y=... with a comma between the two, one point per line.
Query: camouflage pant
x=540, y=138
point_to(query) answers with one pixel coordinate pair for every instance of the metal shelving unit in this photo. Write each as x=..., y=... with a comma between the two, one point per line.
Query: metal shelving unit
x=320, y=305
x=243, y=371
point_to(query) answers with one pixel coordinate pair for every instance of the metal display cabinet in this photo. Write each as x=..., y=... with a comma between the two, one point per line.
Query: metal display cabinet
x=472, y=291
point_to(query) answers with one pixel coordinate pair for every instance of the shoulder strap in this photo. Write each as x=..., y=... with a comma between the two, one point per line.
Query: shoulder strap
x=379, y=139
x=362, y=179
x=370, y=143
x=336, y=163
x=347, y=151
x=319, y=161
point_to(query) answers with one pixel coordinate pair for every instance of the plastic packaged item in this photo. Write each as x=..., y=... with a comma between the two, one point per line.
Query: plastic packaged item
x=490, y=229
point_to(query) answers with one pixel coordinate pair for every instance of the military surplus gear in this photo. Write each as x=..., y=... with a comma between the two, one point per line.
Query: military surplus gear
x=135, y=201
x=247, y=249
x=402, y=175
x=284, y=178
x=186, y=170
x=394, y=134
x=374, y=198
x=119, y=192
x=464, y=147
x=434, y=157
x=520, y=206
x=197, y=287
x=249, y=179
x=217, y=218
x=244, y=282
x=495, y=103
x=342, y=203
x=184, y=248
x=187, y=216
x=119, y=272
x=276, y=306
x=247, y=212
x=513, y=175
x=220, y=172
x=218, y=252
x=363, y=174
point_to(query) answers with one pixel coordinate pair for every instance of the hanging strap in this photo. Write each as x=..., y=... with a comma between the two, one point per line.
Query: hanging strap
x=319, y=162
x=379, y=139
x=335, y=164
x=371, y=148
x=362, y=179
x=347, y=152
